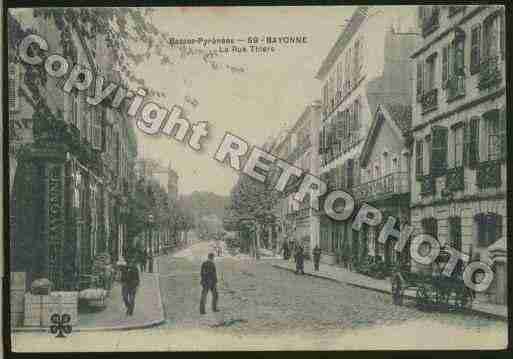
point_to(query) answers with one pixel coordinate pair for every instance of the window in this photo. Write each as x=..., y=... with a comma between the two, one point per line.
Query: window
x=471, y=143
x=357, y=64
x=74, y=111
x=420, y=78
x=439, y=150
x=455, y=233
x=458, y=146
x=97, y=132
x=475, y=49
x=13, y=87
x=496, y=126
x=419, y=161
x=430, y=226
x=356, y=119
x=491, y=36
x=489, y=228
x=429, y=74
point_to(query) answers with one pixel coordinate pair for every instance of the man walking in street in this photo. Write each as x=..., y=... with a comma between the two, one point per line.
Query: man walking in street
x=129, y=284
x=208, y=283
x=316, y=257
x=299, y=260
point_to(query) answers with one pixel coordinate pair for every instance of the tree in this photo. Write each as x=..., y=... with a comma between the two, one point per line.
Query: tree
x=251, y=208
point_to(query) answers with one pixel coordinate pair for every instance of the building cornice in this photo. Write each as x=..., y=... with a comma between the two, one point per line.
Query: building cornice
x=459, y=109
x=354, y=23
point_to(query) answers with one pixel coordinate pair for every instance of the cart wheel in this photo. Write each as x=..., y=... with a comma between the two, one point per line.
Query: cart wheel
x=422, y=296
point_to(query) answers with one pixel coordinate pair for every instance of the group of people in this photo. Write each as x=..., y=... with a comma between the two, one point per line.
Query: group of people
x=299, y=255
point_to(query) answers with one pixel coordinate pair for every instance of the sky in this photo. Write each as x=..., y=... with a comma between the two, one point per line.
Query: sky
x=271, y=93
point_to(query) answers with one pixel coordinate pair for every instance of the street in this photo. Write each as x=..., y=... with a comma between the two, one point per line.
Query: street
x=259, y=299
x=265, y=308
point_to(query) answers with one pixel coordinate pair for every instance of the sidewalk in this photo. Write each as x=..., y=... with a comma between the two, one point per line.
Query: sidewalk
x=345, y=276
x=148, y=311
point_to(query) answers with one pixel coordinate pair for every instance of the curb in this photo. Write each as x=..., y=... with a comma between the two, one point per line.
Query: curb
x=469, y=310
x=145, y=325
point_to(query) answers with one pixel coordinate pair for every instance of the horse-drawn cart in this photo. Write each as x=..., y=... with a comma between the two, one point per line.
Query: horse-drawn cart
x=431, y=291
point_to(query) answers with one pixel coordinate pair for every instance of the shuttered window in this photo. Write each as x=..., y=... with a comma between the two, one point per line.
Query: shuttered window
x=419, y=159
x=14, y=83
x=455, y=233
x=420, y=80
x=489, y=228
x=349, y=173
x=445, y=66
x=503, y=151
x=471, y=143
x=96, y=140
x=439, y=151
x=475, y=49
x=494, y=136
x=458, y=146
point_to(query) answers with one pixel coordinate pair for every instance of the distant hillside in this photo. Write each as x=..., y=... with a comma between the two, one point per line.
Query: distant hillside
x=202, y=203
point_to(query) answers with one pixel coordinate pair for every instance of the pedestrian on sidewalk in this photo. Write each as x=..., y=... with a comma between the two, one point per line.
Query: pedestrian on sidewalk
x=316, y=257
x=286, y=251
x=208, y=283
x=129, y=284
x=299, y=260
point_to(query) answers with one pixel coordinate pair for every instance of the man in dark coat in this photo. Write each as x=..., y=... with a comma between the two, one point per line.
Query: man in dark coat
x=209, y=283
x=299, y=260
x=286, y=251
x=316, y=257
x=129, y=284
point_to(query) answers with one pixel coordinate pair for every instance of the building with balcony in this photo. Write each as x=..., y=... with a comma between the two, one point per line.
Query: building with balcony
x=458, y=179
x=369, y=64
x=384, y=184
x=298, y=146
x=73, y=178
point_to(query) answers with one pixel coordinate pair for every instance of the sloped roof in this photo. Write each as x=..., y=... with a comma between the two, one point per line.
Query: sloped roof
x=399, y=113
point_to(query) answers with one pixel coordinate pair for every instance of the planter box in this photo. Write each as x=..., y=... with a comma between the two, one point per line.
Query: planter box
x=39, y=308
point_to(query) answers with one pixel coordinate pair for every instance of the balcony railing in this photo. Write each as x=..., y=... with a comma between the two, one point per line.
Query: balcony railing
x=431, y=23
x=427, y=185
x=430, y=100
x=299, y=214
x=488, y=174
x=455, y=87
x=394, y=183
x=453, y=10
x=455, y=180
x=489, y=73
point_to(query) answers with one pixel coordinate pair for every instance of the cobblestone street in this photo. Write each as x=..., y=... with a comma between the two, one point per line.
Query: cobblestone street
x=257, y=298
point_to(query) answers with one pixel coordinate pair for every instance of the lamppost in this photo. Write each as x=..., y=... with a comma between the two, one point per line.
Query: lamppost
x=150, y=242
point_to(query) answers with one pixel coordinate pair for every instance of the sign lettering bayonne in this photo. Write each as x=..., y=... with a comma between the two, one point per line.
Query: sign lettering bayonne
x=335, y=187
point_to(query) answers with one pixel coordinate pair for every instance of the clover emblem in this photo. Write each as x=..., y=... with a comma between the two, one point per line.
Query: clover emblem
x=60, y=325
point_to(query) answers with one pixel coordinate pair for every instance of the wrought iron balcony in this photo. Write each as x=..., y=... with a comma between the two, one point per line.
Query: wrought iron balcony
x=431, y=23
x=394, y=183
x=455, y=87
x=430, y=100
x=488, y=174
x=489, y=73
x=453, y=10
x=454, y=180
x=299, y=214
x=427, y=185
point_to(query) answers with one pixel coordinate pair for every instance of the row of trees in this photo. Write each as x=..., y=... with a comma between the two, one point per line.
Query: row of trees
x=250, y=212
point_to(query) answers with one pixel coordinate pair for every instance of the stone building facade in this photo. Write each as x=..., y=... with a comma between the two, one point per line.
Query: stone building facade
x=71, y=184
x=368, y=64
x=458, y=177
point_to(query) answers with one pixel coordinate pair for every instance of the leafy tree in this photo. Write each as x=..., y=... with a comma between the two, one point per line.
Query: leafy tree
x=251, y=208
